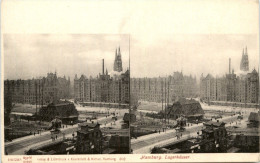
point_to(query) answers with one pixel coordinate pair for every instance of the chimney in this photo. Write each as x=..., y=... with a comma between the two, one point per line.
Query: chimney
x=102, y=66
x=229, y=66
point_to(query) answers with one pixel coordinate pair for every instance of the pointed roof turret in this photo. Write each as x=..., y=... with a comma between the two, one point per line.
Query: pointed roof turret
x=119, y=53
x=246, y=51
x=254, y=71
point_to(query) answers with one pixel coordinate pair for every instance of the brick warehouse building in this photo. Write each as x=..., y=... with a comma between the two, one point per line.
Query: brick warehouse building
x=105, y=87
x=243, y=88
x=174, y=87
x=41, y=91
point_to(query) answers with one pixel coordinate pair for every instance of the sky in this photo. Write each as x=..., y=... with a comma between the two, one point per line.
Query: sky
x=192, y=54
x=193, y=36
x=29, y=56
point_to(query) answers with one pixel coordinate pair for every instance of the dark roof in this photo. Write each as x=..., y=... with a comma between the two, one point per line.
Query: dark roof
x=214, y=123
x=186, y=107
x=254, y=117
x=128, y=116
x=91, y=125
x=207, y=130
x=65, y=109
x=117, y=141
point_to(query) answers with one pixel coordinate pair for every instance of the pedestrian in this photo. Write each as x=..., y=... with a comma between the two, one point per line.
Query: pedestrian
x=56, y=136
x=34, y=133
x=181, y=134
x=159, y=131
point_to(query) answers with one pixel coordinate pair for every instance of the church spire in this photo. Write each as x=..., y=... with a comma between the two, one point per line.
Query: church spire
x=118, y=61
x=244, y=64
x=119, y=53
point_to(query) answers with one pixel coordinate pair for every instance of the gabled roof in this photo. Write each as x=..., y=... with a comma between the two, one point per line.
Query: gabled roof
x=186, y=108
x=254, y=117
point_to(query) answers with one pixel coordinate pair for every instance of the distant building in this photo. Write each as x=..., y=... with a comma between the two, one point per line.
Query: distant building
x=38, y=91
x=244, y=64
x=242, y=88
x=190, y=109
x=118, y=61
x=89, y=138
x=164, y=89
x=63, y=110
x=107, y=88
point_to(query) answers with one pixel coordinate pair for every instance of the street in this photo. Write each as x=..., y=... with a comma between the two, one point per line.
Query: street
x=12, y=147
x=150, y=140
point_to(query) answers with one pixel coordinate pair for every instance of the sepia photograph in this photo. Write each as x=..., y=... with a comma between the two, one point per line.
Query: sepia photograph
x=130, y=81
x=66, y=94
x=184, y=104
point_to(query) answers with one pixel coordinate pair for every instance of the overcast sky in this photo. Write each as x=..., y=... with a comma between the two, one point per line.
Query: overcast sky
x=195, y=36
x=34, y=55
x=190, y=53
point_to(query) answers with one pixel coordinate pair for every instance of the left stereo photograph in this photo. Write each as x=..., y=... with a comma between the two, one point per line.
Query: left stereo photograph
x=66, y=94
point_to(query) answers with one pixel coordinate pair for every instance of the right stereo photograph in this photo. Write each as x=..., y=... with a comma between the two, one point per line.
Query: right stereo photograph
x=195, y=93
